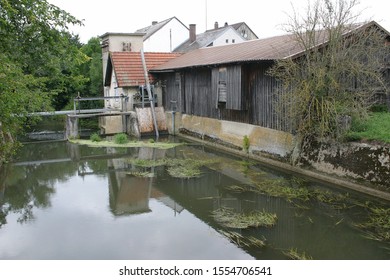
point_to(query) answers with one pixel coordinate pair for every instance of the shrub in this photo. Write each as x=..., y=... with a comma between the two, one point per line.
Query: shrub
x=121, y=138
x=379, y=108
x=95, y=137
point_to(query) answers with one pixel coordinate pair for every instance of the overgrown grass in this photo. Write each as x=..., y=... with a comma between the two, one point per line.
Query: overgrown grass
x=375, y=128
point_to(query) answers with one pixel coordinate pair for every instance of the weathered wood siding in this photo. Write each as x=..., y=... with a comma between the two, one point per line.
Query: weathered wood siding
x=251, y=96
x=265, y=110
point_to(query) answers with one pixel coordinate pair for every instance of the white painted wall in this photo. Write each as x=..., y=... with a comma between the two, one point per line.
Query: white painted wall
x=167, y=38
x=230, y=34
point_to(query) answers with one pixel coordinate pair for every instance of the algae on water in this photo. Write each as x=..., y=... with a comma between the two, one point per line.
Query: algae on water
x=131, y=144
x=177, y=168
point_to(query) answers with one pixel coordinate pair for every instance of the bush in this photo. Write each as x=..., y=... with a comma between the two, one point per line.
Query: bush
x=379, y=108
x=121, y=138
x=95, y=137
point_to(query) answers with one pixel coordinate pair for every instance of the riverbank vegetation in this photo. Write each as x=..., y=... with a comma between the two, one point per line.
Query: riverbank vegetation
x=121, y=142
x=325, y=87
x=375, y=128
x=43, y=66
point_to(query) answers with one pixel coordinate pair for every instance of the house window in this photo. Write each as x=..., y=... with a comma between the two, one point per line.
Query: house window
x=222, y=90
x=233, y=41
x=227, y=41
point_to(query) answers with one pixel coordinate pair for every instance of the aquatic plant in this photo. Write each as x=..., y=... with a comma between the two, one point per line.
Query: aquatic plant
x=238, y=189
x=147, y=162
x=177, y=168
x=121, y=138
x=133, y=144
x=182, y=171
x=95, y=137
x=140, y=174
x=293, y=254
x=228, y=218
x=378, y=225
x=243, y=241
x=279, y=188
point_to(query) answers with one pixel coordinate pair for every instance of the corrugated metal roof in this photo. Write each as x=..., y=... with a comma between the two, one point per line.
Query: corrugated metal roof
x=128, y=66
x=273, y=48
x=262, y=49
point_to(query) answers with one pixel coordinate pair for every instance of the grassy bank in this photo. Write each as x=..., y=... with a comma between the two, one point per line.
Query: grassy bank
x=375, y=128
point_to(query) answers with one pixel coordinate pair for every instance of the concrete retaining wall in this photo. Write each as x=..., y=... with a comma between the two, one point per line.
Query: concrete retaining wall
x=262, y=140
x=365, y=164
x=359, y=161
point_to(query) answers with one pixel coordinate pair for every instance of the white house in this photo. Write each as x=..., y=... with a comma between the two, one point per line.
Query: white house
x=164, y=36
x=219, y=36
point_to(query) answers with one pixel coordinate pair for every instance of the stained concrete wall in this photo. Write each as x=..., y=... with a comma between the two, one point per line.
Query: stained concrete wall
x=353, y=165
x=231, y=134
x=359, y=161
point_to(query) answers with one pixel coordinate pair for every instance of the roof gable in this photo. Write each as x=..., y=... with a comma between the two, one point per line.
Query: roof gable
x=152, y=29
x=128, y=67
x=205, y=39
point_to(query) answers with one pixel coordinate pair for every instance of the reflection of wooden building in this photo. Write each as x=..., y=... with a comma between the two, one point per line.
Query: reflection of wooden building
x=130, y=194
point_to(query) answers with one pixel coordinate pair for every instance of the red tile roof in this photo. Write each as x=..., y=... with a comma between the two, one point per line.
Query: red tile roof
x=128, y=66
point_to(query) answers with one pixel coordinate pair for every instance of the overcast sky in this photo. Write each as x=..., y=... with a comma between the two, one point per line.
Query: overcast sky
x=263, y=17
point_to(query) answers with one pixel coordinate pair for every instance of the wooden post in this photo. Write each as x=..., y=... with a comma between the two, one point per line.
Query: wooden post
x=151, y=98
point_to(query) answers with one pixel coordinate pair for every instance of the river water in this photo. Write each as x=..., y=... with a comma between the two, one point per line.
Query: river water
x=64, y=201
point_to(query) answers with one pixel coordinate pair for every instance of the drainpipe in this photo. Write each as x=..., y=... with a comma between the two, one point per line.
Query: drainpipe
x=173, y=122
x=173, y=104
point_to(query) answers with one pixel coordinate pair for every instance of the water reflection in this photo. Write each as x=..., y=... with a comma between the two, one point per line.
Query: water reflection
x=64, y=201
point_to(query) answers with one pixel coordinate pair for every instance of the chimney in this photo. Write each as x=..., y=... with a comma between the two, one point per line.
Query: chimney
x=154, y=22
x=216, y=25
x=192, y=33
x=226, y=24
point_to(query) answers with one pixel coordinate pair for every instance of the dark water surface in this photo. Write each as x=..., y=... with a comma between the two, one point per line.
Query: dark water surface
x=64, y=201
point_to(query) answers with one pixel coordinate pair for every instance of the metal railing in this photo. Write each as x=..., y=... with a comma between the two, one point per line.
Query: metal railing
x=77, y=100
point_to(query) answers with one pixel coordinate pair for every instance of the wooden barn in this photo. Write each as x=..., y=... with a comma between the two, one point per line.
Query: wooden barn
x=225, y=92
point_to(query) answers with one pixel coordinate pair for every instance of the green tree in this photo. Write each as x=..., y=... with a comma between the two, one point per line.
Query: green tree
x=338, y=75
x=92, y=70
x=39, y=60
x=93, y=67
